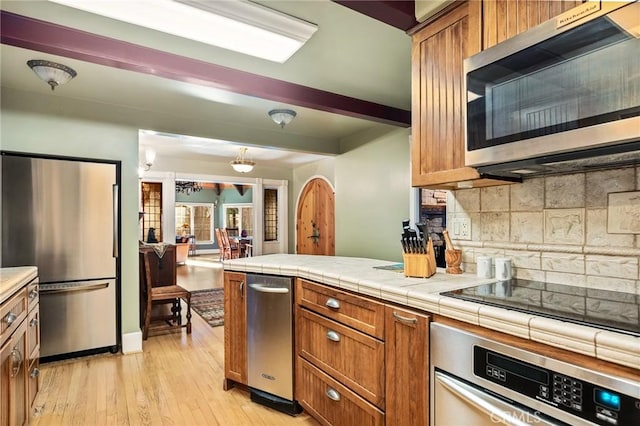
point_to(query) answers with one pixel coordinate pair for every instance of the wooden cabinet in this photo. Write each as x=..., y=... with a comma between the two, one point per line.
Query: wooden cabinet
x=340, y=368
x=331, y=403
x=503, y=19
x=407, y=363
x=438, y=98
x=339, y=351
x=438, y=101
x=235, y=329
x=19, y=355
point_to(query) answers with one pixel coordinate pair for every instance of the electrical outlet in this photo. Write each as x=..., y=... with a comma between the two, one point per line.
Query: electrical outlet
x=461, y=228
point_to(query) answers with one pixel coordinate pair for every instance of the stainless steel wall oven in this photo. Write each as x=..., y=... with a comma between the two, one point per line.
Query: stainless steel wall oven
x=478, y=381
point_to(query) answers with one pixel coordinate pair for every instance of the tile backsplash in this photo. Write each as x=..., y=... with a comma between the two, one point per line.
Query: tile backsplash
x=563, y=229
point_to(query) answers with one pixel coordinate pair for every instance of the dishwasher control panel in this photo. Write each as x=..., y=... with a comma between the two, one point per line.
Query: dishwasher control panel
x=583, y=399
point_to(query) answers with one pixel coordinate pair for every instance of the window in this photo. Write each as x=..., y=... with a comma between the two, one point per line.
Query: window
x=152, y=211
x=195, y=219
x=270, y=214
x=238, y=218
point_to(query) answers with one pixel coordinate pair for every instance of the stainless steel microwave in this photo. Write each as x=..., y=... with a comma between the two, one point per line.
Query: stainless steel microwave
x=564, y=95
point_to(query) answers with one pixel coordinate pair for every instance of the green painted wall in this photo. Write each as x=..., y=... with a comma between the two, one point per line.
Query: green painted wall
x=372, y=182
x=49, y=125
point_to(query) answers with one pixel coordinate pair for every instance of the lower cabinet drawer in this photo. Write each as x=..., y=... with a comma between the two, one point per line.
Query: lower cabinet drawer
x=34, y=384
x=331, y=403
x=351, y=357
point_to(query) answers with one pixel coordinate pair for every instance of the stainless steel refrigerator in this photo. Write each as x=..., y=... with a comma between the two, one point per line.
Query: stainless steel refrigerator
x=61, y=215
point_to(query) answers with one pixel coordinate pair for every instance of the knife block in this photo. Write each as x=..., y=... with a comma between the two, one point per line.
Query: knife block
x=420, y=265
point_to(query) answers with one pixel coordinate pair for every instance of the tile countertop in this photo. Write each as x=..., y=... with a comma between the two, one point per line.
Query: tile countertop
x=12, y=279
x=359, y=275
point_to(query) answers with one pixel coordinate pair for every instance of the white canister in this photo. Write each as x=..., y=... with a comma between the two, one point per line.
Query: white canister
x=484, y=267
x=503, y=268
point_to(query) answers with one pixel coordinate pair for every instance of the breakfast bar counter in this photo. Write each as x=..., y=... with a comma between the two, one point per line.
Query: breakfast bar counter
x=385, y=280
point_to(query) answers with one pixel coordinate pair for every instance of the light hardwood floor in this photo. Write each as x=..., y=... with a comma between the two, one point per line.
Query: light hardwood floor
x=176, y=380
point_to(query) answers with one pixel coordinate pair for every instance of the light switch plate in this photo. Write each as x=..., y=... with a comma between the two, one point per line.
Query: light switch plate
x=461, y=228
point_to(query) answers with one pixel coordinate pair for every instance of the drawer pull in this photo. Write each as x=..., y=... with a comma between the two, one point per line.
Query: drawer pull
x=332, y=303
x=16, y=362
x=33, y=322
x=35, y=373
x=404, y=319
x=33, y=294
x=10, y=318
x=333, y=394
x=333, y=336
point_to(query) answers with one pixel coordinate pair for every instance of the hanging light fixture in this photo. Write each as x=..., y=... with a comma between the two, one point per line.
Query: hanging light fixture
x=53, y=73
x=242, y=165
x=282, y=116
x=186, y=187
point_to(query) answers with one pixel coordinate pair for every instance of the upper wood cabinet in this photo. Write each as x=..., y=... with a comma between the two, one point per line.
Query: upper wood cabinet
x=438, y=99
x=437, y=57
x=503, y=19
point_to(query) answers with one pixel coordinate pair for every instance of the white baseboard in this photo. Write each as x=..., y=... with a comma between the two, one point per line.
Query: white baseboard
x=132, y=342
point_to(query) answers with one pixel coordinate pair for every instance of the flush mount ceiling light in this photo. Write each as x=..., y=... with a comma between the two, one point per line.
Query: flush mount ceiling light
x=51, y=72
x=237, y=25
x=242, y=165
x=282, y=116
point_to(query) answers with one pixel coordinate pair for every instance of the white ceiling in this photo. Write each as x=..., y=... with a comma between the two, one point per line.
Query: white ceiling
x=350, y=54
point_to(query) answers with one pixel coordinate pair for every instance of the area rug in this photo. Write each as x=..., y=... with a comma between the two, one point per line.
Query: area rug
x=209, y=304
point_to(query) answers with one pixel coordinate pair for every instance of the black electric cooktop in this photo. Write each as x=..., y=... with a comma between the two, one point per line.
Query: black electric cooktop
x=606, y=309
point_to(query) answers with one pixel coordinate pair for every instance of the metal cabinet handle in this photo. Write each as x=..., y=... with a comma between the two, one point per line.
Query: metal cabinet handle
x=16, y=362
x=333, y=394
x=35, y=373
x=333, y=336
x=242, y=288
x=10, y=318
x=33, y=322
x=404, y=319
x=33, y=294
x=332, y=303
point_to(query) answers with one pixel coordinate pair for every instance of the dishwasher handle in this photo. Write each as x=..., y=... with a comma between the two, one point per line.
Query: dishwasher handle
x=267, y=289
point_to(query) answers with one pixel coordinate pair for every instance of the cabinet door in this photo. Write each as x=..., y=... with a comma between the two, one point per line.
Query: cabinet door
x=407, y=361
x=235, y=328
x=503, y=19
x=13, y=379
x=438, y=144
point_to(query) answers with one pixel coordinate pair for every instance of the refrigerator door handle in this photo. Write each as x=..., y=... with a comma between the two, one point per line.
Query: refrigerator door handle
x=116, y=190
x=266, y=289
x=67, y=289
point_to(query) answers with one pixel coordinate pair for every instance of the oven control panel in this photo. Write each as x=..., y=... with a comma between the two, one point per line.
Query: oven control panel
x=585, y=400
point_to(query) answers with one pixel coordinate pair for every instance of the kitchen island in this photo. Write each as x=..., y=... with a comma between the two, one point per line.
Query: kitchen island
x=363, y=276
x=348, y=310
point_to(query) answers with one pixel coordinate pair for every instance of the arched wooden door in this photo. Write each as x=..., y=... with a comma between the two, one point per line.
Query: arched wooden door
x=315, y=219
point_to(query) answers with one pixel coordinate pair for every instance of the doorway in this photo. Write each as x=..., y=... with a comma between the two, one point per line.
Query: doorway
x=315, y=219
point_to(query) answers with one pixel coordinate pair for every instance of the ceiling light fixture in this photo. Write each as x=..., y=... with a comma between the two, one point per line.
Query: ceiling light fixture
x=282, y=116
x=51, y=72
x=242, y=165
x=238, y=25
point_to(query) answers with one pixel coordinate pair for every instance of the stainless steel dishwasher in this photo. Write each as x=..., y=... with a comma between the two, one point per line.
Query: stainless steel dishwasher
x=270, y=341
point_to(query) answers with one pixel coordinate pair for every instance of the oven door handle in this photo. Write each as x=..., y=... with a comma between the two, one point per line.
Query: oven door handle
x=505, y=415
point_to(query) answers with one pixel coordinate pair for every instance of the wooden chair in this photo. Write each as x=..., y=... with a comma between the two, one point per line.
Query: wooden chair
x=231, y=250
x=163, y=294
x=220, y=243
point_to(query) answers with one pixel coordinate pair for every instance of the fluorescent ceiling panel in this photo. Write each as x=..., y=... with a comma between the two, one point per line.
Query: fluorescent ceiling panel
x=236, y=25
